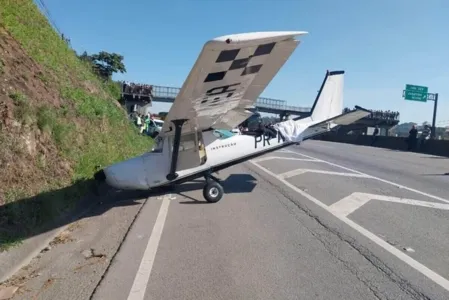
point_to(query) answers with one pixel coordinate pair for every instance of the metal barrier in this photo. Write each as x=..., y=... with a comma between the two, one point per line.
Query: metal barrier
x=165, y=92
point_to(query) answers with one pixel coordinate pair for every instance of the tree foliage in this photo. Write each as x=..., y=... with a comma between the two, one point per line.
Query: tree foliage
x=104, y=64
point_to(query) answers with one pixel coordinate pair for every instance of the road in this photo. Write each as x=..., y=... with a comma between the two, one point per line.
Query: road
x=315, y=221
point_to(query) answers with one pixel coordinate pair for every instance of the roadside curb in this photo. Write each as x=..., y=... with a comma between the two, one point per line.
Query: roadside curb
x=13, y=260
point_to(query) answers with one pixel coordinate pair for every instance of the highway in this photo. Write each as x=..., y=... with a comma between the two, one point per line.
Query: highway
x=315, y=221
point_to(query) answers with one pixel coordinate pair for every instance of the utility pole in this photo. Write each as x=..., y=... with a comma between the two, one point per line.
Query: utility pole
x=435, y=107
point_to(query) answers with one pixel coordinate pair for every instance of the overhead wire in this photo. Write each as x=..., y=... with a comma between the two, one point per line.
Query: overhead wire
x=47, y=13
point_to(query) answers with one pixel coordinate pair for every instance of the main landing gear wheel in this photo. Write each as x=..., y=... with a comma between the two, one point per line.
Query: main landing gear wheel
x=213, y=192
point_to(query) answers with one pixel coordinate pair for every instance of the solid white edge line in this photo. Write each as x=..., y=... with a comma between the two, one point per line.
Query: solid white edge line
x=292, y=158
x=280, y=157
x=443, y=282
x=297, y=172
x=376, y=178
x=140, y=283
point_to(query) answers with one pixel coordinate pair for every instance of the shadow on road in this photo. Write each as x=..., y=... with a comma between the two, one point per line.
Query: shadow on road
x=443, y=174
x=31, y=216
x=235, y=183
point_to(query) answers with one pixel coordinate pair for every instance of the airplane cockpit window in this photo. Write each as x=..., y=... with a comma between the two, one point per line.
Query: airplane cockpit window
x=159, y=145
x=223, y=134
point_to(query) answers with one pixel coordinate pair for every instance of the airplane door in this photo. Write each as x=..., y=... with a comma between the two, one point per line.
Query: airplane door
x=192, y=152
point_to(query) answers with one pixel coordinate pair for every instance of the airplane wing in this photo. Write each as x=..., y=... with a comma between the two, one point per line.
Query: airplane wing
x=228, y=76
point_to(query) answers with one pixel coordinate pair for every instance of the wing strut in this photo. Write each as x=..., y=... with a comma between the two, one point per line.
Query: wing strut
x=174, y=158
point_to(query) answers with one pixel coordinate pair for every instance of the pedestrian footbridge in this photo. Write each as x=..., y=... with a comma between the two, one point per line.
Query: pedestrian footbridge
x=384, y=119
x=265, y=105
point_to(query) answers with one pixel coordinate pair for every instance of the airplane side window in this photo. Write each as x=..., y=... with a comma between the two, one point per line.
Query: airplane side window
x=187, y=145
x=187, y=142
x=217, y=134
x=159, y=145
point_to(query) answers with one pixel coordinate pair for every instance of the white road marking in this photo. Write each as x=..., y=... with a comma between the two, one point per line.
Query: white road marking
x=169, y=196
x=329, y=163
x=139, y=286
x=280, y=157
x=443, y=282
x=376, y=178
x=351, y=203
x=302, y=171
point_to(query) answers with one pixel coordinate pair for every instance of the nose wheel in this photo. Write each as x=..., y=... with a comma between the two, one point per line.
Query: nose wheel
x=212, y=191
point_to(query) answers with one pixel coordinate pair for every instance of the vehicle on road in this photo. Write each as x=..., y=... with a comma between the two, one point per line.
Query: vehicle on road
x=155, y=127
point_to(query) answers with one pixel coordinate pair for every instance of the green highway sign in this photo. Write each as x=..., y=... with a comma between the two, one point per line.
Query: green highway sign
x=415, y=93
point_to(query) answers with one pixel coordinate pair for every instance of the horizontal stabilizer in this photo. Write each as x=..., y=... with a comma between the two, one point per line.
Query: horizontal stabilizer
x=346, y=118
x=297, y=131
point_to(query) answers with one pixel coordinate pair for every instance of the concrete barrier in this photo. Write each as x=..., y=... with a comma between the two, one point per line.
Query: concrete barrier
x=434, y=147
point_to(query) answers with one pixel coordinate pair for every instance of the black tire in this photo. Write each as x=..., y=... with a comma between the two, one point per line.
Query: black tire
x=213, y=192
x=155, y=134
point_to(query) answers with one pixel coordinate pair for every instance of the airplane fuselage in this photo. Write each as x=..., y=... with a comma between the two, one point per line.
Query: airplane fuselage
x=150, y=169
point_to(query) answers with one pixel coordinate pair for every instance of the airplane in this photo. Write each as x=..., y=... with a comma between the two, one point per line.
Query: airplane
x=226, y=79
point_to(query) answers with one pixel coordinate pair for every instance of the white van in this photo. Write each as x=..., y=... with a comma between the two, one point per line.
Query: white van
x=155, y=127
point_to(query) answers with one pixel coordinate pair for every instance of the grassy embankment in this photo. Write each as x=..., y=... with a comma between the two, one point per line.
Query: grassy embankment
x=51, y=144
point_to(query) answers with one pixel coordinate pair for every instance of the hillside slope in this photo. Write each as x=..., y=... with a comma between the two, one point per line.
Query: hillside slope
x=58, y=122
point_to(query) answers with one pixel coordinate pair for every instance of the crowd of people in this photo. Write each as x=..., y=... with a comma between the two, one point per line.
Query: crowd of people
x=381, y=114
x=137, y=88
x=385, y=115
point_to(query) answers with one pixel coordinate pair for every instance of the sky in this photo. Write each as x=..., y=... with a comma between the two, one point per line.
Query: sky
x=381, y=45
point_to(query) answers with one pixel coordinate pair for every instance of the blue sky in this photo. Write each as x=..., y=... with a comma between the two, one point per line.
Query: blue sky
x=382, y=45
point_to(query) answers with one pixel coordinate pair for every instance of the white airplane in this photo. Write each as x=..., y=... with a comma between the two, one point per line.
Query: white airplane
x=227, y=78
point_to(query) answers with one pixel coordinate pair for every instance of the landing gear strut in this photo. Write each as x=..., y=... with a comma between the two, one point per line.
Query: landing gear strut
x=212, y=191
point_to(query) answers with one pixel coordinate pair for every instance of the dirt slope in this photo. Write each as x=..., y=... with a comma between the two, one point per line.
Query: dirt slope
x=57, y=120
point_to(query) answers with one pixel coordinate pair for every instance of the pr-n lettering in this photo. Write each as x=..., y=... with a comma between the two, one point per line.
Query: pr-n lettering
x=265, y=139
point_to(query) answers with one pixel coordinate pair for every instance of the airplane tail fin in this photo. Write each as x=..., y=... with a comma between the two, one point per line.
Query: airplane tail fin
x=329, y=101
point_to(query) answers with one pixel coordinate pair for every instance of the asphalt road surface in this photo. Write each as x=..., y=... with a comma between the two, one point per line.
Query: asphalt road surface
x=317, y=221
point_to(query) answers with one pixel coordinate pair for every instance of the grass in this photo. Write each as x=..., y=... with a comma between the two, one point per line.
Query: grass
x=87, y=130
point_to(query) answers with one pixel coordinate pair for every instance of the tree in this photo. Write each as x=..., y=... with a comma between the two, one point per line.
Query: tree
x=85, y=57
x=108, y=63
x=104, y=63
